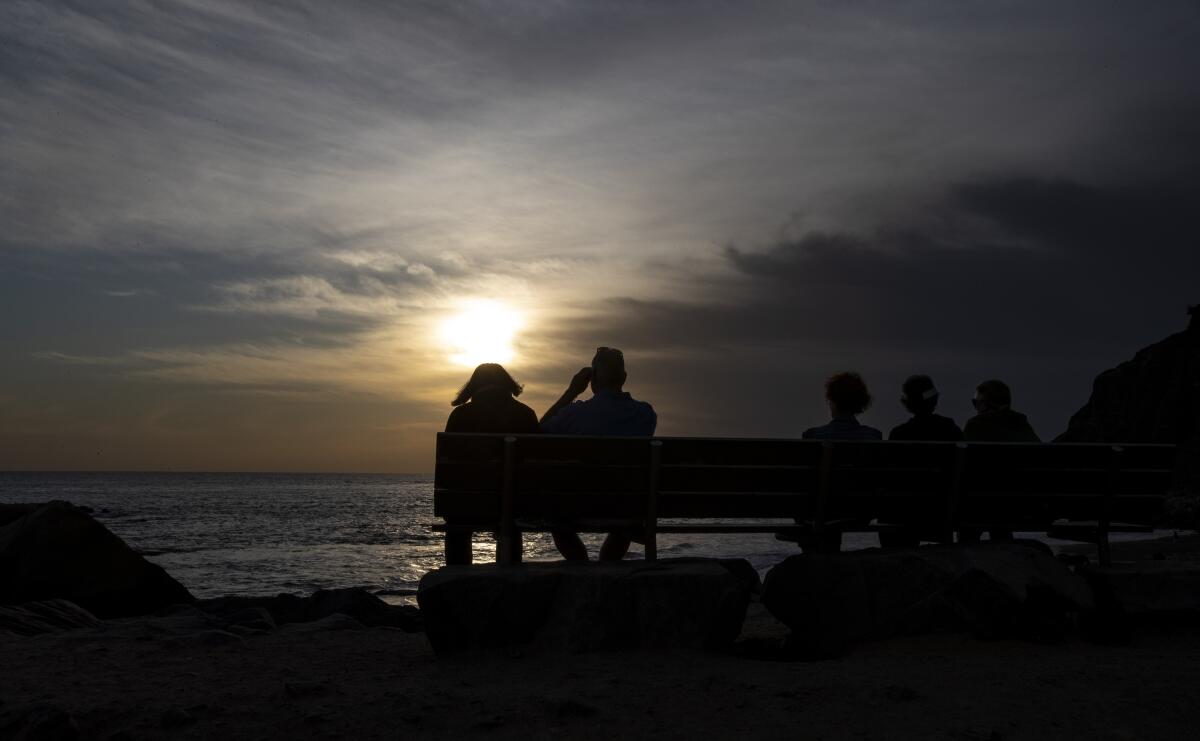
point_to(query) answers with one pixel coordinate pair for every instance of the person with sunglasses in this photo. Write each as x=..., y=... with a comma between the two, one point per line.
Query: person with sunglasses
x=995, y=421
x=610, y=411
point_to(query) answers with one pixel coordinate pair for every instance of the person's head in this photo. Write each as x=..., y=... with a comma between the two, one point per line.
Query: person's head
x=919, y=395
x=992, y=396
x=847, y=394
x=608, y=369
x=487, y=376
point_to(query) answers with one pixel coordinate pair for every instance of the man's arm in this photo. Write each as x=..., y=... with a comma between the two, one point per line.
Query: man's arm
x=579, y=384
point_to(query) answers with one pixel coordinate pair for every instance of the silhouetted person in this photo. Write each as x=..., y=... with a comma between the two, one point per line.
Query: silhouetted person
x=995, y=421
x=848, y=397
x=487, y=404
x=610, y=411
x=920, y=397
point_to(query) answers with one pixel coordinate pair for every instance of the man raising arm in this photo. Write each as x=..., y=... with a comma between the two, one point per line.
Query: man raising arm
x=610, y=411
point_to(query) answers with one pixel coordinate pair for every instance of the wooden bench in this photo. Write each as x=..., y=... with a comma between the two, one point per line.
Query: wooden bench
x=512, y=484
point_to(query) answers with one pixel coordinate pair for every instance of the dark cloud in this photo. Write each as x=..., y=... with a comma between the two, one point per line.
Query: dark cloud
x=1045, y=280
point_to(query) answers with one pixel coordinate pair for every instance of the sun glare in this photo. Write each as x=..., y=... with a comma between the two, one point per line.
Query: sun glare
x=482, y=332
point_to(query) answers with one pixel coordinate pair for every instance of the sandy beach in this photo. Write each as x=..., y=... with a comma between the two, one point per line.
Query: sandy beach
x=383, y=683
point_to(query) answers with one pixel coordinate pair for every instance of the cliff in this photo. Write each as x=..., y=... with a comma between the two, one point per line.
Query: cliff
x=1152, y=398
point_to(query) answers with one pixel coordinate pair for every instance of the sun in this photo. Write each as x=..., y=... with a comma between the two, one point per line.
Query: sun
x=481, y=332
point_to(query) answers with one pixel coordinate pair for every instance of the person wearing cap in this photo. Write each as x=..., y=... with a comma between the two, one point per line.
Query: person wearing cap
x=610, y=411
x=920, y=397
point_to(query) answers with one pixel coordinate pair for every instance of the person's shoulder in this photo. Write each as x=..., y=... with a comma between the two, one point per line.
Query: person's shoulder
x=519, y=405
x=525, y=419
x=870, y=433
x=949, y=426
x=901, y=431
x=457, y=420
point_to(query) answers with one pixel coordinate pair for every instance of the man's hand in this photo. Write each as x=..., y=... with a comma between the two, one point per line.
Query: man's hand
x=580, y=381
x=579, y=384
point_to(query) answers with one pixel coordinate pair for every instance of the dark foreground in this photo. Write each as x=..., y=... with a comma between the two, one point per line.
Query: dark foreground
x=174, y=676
x=384, y=683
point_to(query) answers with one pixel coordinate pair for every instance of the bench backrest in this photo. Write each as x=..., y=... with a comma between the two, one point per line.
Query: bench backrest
x=565, y=477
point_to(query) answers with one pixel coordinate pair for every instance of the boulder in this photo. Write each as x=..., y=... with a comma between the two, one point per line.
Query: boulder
x=359, y=604
x=995, y=590
x=336, y=621
x=51, y=616
x=1154, y=397
x=1148, y=589
x=57, y=551
x=579, y=607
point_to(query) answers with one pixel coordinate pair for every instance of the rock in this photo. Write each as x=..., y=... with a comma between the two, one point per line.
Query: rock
x=13, y=512
x=1148, y=589
x=181, y=621
x=282, y=609
x=584, y=606
x=50, y=616
x=336, y=621
x=210, y=639
x=250, y=618
x=359, y=604
x=1152, y=398
x=57, y=551
x=994, y=590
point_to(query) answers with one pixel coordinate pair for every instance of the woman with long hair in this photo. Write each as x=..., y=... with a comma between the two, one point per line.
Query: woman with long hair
x=487, y=403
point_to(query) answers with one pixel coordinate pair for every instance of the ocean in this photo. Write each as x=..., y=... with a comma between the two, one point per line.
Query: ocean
x=240, y=533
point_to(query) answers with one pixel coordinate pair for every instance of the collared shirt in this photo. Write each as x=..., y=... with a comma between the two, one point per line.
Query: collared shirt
x=843, y=428
x=606, y=413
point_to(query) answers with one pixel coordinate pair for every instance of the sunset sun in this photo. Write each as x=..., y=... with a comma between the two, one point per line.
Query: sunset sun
x=481, y=332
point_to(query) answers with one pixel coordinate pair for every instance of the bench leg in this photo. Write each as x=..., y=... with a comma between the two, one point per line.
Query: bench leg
x=508, y=548
x=1105, y=552
x=458, y=548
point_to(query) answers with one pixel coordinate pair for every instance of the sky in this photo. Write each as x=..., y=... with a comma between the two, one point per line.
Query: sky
x=273, y=236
